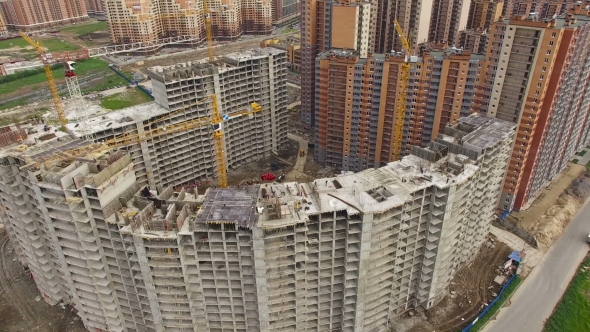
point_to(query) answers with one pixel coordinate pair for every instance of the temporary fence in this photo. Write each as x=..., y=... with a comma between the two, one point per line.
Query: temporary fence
x=134, y=82
x=490, y=306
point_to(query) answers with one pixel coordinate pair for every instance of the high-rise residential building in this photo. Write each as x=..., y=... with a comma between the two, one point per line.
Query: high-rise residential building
x=145, y=21
x=324, y=23
x=345, y=253
x=356, y=102
x=94, y=8
x=285, y=11
x=542, y=8
x=134, y=22
x=27, y=15
x=482, y=13
x=292, y=45
x=350, y=24
x=237, y=80
x=3, y=28
x=537, y=78
x=473, y=40
x=236, y=17
x=448, y=17
x=413, y=17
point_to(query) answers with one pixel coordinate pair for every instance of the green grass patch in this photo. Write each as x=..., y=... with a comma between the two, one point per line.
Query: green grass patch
x=498, y=305
x=13, y=118
x=110, y=81
x=52, y=45
x=575, y=161
x=58, y=45
x=10, y=43
x=83, y=67
x=289, y=30
x=83, y=29
x=582, y=153
x=131, y=97
x=572, y=314
x=14, y=103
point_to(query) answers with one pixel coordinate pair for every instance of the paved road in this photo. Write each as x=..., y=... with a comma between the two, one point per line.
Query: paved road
x=535, y=299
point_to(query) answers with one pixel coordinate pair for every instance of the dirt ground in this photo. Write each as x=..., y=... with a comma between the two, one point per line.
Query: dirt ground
x=21, y=307
x=551, y=211
x=528, y=218
x=471, y=289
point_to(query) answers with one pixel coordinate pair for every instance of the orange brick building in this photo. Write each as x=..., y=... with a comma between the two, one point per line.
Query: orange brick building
x=538, y=78
x=356, y=102
x=30, y=15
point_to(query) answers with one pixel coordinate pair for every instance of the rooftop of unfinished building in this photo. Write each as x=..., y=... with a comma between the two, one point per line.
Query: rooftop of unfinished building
x=221, y=63
x=443, y=50
x=161, y=215
x=483, y=132
x=38, y=142
x=274, y=205
x=350, y=54
x=574, y=18
x=116, y=119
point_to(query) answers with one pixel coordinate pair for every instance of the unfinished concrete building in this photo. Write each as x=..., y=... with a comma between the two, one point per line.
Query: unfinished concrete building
x=345, y=253
x=31, y=15
x=237, y=80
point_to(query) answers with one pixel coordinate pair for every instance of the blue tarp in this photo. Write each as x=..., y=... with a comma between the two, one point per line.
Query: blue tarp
x=516, y=256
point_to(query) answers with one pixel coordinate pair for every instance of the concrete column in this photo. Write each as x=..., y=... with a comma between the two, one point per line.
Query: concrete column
x=273, y=103
x=367, y=225
x=148, y=281
x=260, y=272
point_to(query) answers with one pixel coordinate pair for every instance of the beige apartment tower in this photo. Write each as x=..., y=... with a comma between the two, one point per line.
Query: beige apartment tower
x=3, y=28
x=95, y=8
x=131, y=22
x=30, y=15
x=149, y=20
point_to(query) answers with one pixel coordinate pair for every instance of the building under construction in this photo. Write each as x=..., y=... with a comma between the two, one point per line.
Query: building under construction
x=184, y=93
x=345, y=253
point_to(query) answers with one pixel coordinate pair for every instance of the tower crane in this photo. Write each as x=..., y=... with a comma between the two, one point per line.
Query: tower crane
x=400, y=112
x=68, y=59
x=126, y=139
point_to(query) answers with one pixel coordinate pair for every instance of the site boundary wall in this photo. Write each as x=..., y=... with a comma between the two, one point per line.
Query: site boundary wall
x=491, y=305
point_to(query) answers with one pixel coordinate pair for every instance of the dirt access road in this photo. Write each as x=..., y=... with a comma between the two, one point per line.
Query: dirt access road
x=470, y=290
x=21, y=307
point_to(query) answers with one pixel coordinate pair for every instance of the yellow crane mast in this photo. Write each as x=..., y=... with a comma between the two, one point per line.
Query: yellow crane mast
x=52, y=86
x=400, y=111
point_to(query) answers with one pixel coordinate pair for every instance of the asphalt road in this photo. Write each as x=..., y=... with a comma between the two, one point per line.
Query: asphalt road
x=535, y=299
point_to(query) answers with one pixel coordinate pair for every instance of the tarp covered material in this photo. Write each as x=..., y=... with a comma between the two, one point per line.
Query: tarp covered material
x=517, y=255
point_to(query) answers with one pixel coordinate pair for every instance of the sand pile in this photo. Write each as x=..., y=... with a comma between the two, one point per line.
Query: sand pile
x=554, y=221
